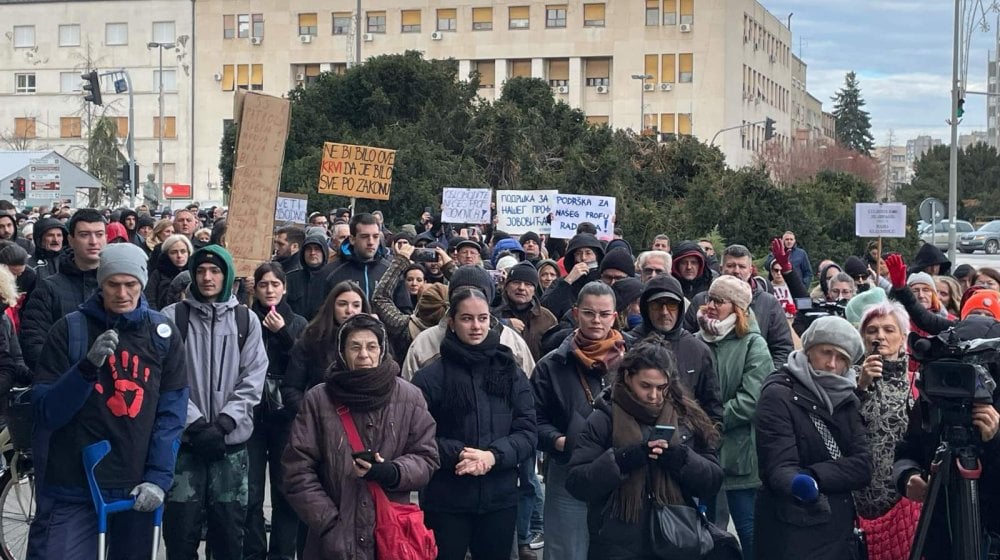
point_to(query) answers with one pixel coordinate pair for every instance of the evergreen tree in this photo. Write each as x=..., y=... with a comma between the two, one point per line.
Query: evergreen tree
x=854, y=125
x=105, y=161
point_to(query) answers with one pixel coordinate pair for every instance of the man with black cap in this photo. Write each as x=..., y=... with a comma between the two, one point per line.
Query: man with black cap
x=307, y=285
x=532, y=245
x=128, y=386
x=521, y=307
x=583, y=257
x=617, y=265
x=469, y=252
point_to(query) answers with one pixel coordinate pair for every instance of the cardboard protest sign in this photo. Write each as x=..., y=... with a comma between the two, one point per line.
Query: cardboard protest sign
x=465, y=206
x=568, y=210
x=356, y=171
x=263, y=128
x=880, y=220
x=291, y=207
x=519, y=212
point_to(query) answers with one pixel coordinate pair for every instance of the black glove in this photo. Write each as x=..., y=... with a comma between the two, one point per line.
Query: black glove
x=209, y=443
x=385, y=473
x=631, y=457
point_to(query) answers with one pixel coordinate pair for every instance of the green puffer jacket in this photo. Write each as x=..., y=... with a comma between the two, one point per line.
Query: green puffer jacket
x=742, y=364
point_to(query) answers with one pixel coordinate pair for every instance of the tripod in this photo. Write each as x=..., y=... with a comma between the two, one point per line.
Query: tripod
x=962, y=501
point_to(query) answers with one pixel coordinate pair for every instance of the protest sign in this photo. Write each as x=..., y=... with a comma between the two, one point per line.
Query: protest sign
x=465, y=206
x=291, y=207
x=263, y=128
x=880, y=220
x=523, y=211
x=569, y=210
x=356, y=171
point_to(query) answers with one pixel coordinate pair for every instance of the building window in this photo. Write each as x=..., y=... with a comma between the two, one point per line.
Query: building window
x=338, y=68
x=558, y=72
x=555, y=16
x=487, y=72
x=684, y=124
x=651, y=68
x=164, y=32
x=687, y=11
x=669, y=12
x=598, y=72
x=169, y=127
x=116, y=34
x=518, y=17
x=482, y=19
x=668, y=68
x=24, y=127
x=597, y=120
x=341, y=23
x=69, y=127
x=411, y=21
x=24, y=36
x=243, y=76
x=686, y=64
x=243, y=26
x=169, y=80
x=307, y=24
x=667, y=123
x=121, y=125
x=652, y=12
x=258, y=24
x=447, y=19
x=593, y=15
x=376, y=22
x=228, y=26
x=69, y=35
x=24, y=83
x=520, y=68
x=70, y=82
x=311, y=73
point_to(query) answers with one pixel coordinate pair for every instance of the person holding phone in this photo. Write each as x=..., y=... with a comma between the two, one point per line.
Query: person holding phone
x=583, y=256
x=647, y=440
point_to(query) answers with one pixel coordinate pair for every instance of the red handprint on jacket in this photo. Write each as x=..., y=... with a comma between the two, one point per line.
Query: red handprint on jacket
x=126, y=400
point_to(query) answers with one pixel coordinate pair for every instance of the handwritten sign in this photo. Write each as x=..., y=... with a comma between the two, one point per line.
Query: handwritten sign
x=356, y=171
x=291, y=207
x=569, y=210
x=523, y=211
x=880, y=220
x=465, y=206
x=263, y=128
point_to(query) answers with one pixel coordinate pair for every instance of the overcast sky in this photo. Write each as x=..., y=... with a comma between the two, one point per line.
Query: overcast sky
x=901, y=51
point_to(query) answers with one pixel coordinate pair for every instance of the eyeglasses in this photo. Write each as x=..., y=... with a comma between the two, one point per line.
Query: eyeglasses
x=646, y=271
x=669, y=304
x=591, y=314
x=612, y=278
x=717, y=300
x=841, y=293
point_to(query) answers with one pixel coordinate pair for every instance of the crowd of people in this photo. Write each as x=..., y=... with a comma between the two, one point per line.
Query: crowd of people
x=535, y=393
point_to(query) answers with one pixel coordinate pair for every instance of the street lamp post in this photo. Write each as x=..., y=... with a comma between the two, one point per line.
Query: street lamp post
x=642, y=99
x=160, y=46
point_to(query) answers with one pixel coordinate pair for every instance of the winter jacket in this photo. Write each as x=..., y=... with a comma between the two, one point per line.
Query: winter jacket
x=770, y=318
x=397, y=321
x=25, y=244
x=504, y=426
x=319, y=479
x=743, y=363
x=510, y=245
x=223, y=378
x=561, y=295
x=594, y=477
x=54, y=298
x=926, y=256
x=158, y=285
x=13, y=370
x=921, y=317
x=367, y=274
x=537, y=321
x=41, y=256
x=703, y=280
x=695, y=361
x=139, y=406
x=799, y=260
x=307, y=366
x=307, y=286
x=427, y=347
x=131, y=234
x=290, y=263
x=278, y=345
x=788, y=443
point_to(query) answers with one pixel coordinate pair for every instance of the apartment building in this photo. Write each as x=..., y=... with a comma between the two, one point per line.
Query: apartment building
x=807, y=111
x=47, y=45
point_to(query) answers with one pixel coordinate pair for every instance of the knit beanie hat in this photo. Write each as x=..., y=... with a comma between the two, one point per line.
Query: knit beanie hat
x=123, y=258
x=983, y=300
x=862, y=302
x=530, y=236
x=837, y=332
x=921, y=278
x=523, y=272
x=432, y=303
x=627, y=290
x=176, y=238
x=12, y=254
x=731, y=288
x=507, y=261
x=855, y=267
x=145, y=220
x=474, y=277
x=619, y=259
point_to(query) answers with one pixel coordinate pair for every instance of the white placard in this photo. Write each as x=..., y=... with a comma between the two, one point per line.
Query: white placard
x=569, y=210
x=880, y=219
x=519, y=212
x=291, y=209
x=465, y=206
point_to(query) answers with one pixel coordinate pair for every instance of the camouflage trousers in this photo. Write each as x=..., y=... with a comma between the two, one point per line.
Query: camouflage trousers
x=212, y=492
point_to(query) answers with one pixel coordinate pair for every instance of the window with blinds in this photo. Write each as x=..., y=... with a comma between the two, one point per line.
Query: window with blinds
x=447, y=19
x=555, y=16
x=669, y=12
x=652, y=12
x=24, y=127
x=375, y=22
x=687, y=11
x=256, y=77
x=229, y=26
x=121, y=126
x=598, y=72
x=258, y=24
x=520, y=69
x=651, y=67
x=342, y=22
x=169, y=127
x=518, y=17
x=668, y=68
x=667, y=123
x=308, y=24
x=684, y=124
x=558, y=72
x=244, y=76
x=482, y=19
x=115, y=34
x=164, y=32
x=69, y=35
x=593, y=15
x=69, y=82
x=686, y=65
x=487, y=73
x=597, y=119
x=411, y=21
x=69, y=127
x=311, y=73
x=24, y=36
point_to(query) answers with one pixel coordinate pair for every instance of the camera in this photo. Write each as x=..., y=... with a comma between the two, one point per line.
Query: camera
x=808, y=310
x=424, y=255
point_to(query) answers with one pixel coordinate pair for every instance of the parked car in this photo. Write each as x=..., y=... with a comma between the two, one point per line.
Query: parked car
x=939, y=234
x=986, y=238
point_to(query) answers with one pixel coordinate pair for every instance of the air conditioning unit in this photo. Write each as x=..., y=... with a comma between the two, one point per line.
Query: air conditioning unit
x=562, y=89
x=325, y=67
x=666, y=86
x=602, y=89
x=685, y=28
x=256, y=40
x=217, y=77
x=368, y=37
x=300, y=77
x=305, y=38
x=648, y=87
x=437, y=36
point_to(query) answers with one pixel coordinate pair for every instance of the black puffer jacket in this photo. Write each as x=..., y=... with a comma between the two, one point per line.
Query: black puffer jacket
x=561, y=295
x=13, y=370
x=133, y=234
x=347, y=266
x=307, y=286
x=158, y=285
x=703, y=280
x=278, y=345
x=594, y=476
x=43, y=255
x=54, y=298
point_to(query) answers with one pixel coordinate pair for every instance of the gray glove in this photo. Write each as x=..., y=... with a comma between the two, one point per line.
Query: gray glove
x=148, y=497
x=103, y=347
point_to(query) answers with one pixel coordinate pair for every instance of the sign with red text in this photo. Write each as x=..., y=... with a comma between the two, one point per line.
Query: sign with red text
x=356, y=171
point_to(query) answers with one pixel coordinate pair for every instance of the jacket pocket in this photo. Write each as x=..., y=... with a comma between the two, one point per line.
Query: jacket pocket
x=738, y=455
x=802, y=514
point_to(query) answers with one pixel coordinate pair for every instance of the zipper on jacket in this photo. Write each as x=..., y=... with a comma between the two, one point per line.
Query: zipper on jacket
x=211, y=367
x=222, y=363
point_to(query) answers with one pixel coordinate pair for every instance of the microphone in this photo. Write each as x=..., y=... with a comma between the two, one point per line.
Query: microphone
x=804, y=488
x=874, y=352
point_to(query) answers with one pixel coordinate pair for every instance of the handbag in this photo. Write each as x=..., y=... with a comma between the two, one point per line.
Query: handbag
x=860, y=540
x=679, y=532
x=400, y=533
x=272, y=394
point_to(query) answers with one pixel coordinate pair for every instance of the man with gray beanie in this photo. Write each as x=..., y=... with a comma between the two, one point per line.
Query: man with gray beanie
x=427, y=346
x=113, y=370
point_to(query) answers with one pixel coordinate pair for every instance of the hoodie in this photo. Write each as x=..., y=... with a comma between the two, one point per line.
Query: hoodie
x=367, y=274
x=705, y=275
x=306, y=287
x=42, y=255
x=929, y=255
x=510, y=244
x=131, y=234
x=561, y=295
x=25, y=244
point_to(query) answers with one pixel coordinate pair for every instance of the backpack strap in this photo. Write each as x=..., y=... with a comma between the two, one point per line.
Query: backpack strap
x=182, y=316
x=76, y=325
x=242, y=325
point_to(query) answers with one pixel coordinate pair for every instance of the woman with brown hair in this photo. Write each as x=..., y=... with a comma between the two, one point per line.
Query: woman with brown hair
x=988, y=278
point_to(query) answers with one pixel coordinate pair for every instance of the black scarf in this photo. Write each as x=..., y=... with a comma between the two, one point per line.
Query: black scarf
x=489, y=356
x=365, y=389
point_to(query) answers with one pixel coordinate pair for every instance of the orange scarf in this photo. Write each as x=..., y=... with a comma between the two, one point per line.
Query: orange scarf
x=604, y=354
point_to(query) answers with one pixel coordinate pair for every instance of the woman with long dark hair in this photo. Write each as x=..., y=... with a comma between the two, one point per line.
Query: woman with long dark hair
x=485, y=412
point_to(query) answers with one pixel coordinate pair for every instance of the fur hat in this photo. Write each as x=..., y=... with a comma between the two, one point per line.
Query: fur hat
x=731, y=288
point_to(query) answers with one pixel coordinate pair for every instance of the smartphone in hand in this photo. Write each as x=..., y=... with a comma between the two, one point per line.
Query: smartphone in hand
x=367, y=455
x=662, y=432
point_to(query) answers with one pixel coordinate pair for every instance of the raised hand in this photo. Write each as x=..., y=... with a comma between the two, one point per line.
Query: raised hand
x=126, y=394
x=897, y=270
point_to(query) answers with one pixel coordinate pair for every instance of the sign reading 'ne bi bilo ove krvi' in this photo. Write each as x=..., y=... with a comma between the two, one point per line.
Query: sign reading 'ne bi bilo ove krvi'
x=356, y=171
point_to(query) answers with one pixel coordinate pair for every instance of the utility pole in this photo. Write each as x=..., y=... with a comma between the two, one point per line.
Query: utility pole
x=953, y=160
x=642, y=99
x=888, y=167
x=159, y=135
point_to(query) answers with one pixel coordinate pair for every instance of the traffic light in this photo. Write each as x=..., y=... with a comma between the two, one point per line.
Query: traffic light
x=17, y=188
x=92, y=87
x=13, y=189
x=768, y=128
x=126, y=177
x=961, y=108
